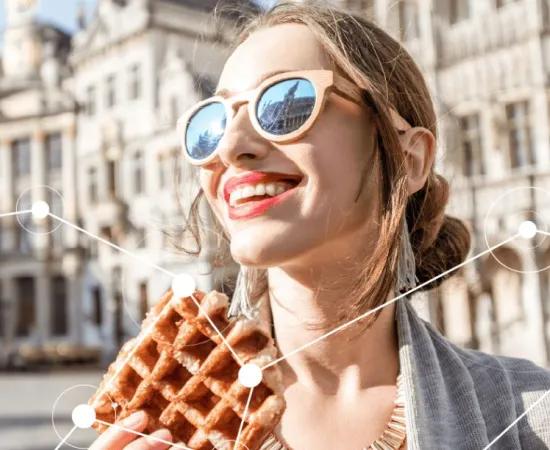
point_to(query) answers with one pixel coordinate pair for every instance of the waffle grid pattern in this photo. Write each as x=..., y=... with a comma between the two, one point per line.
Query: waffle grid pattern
x=186, y=379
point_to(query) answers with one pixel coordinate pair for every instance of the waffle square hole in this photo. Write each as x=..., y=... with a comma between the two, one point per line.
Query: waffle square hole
x=199, y=347
x=128, y=382
x=182, y=429
x=155, y=404
x=228, y=423
x=252, y=343
x=176, y=378
x=226, y=373
x=169, y=326
x=261, y=392
x=218, y=319
x=150, y=354
x=205, y=402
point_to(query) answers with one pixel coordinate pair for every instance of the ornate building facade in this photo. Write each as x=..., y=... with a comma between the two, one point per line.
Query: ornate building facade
x=487, y=65
x=92, y=117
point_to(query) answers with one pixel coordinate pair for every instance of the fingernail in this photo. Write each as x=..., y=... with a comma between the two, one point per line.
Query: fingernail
x=134, y=419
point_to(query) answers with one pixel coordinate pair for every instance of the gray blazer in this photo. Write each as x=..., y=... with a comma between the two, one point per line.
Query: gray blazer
x=461, y=399
x=458, y=398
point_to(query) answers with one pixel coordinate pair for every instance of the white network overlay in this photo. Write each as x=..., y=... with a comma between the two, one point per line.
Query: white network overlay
x=250, y=375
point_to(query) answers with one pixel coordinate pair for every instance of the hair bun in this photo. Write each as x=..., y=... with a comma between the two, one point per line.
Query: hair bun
x=440, y=242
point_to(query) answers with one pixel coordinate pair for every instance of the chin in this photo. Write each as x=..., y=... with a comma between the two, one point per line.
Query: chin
x=258, y=258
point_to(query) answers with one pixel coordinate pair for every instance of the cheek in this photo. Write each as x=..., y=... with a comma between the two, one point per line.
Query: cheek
x=207, y=183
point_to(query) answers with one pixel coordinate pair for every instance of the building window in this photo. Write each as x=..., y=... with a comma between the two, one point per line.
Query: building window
x=23, y=239
x=58, y=310
x=53, y=151
x=4, y=305
x=174, y=109
x=25, y=306
x=168, y=166
x=112, y=172
x=56, y=207
x=173, y=166
x=90, y=103
x=501, y=3
x=140, y=238
x=92, y=185
x=471, y=143
x=21, y=152
x=97, y=306
x=161, y=169
x=409, y=25
x=520, y=142
x=110, y=91
x=134, y=84
x=458, y=10
x=139, y=181
x=92, y=248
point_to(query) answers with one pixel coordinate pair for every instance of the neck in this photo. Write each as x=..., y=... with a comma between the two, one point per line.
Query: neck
x=343, y=363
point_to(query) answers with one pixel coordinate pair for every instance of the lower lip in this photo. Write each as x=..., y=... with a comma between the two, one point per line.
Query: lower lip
x=258, y=207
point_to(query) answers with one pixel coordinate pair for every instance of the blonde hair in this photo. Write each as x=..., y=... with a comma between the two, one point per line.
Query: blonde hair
x=387, y=75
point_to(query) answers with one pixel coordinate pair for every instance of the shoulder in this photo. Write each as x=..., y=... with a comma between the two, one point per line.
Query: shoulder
x=517, y=382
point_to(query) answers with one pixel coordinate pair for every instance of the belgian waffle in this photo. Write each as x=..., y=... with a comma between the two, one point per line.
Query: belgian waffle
x=186, y=379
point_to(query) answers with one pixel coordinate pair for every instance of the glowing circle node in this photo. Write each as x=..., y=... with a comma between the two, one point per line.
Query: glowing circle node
x=83, y=416
x=527, y=229
x=250, y=375
x=40, y=210
x=183, y=285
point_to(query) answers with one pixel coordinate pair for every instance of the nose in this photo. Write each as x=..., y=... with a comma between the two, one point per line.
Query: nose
x=240, y=142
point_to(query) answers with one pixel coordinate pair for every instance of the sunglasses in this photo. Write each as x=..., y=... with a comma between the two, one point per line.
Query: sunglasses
x=281, y=109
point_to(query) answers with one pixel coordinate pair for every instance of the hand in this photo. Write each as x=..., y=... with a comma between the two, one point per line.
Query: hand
x=115, y=438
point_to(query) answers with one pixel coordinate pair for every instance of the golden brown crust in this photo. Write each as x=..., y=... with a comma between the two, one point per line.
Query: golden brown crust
x=186, y=379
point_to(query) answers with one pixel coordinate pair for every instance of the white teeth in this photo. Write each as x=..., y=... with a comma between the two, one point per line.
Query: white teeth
x=248, y=191
x=271, y=189
x=260, y=189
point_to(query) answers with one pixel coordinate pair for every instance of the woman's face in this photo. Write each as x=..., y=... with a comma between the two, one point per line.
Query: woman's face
x=320, y=221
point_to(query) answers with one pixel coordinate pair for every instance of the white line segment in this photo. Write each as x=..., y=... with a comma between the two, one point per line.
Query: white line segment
x=244, y=418
x=389, y=302
x=148, y=436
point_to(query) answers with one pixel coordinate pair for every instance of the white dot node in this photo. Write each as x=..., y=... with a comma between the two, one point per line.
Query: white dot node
x=250, y=375
x=527, y=229
x=183, y=285
x=40, y=210
x=83, y=416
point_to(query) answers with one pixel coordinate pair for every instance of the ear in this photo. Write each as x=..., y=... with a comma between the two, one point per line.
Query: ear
x=418, y=143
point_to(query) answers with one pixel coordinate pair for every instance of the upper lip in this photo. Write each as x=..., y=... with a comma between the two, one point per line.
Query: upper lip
x=255, y=177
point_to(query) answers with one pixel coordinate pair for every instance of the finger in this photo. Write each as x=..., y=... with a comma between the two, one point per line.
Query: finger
x=115, y=437
x=150, y=443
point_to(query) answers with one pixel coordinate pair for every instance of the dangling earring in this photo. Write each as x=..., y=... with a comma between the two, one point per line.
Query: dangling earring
x=406, y=266
x=240, y=302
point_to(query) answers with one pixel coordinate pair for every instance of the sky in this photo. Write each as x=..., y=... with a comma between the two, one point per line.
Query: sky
x=63, y=12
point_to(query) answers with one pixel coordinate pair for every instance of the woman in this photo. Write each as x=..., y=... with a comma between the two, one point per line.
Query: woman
x=354, y=172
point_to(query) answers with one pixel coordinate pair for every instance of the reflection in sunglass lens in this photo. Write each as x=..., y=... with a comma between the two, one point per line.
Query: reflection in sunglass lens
x=205, y=130
x=285, y=106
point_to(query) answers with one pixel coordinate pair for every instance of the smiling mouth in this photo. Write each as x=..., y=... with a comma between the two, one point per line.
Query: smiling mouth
x=289, y=184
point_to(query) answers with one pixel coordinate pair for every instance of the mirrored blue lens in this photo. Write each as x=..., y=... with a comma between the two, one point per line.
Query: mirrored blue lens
x=284, y=106
x=205, y=130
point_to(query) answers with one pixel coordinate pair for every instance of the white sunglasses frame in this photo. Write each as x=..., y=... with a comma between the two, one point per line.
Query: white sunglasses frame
x=324, y=82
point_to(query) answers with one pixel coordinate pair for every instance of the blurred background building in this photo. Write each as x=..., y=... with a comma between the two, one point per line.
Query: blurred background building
x=92, y=116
